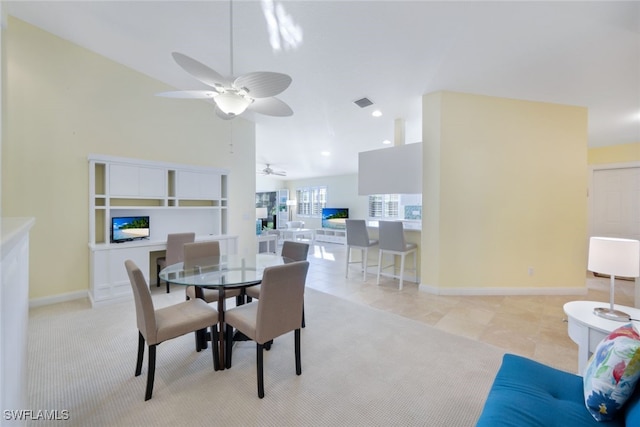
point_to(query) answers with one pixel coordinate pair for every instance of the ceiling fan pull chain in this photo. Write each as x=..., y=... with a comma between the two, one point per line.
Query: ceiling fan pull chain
x=231, y=38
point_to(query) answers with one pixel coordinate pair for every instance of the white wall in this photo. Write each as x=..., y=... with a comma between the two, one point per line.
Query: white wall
x=342, y=192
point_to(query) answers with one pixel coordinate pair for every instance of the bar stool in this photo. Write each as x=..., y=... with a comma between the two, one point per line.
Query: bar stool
x=392, y=242
x=358, y=238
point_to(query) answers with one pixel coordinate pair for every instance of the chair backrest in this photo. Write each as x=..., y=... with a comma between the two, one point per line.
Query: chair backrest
x=201, y=253
x=281, y=300
x=295, y=224
x=175, y=244
x=391, y=236
x=357, y=234
x=296, y=251
x=145, y=313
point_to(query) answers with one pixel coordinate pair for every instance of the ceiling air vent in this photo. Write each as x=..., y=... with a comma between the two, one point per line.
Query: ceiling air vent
x=363, y=102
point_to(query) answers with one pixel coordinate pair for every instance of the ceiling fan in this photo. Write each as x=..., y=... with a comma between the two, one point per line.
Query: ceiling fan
x=269, y=171
x=253, y=91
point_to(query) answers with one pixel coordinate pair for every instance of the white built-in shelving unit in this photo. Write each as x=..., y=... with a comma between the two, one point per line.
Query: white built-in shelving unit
x=176, y=198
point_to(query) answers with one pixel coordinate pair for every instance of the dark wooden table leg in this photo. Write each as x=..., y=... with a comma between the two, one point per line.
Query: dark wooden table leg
x=221, y=331
x=201, y=335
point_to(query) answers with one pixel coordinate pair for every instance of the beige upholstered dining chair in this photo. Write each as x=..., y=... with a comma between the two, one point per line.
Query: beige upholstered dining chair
x=277, y=312
x=205, y=253
x=392, y=242
x=358, y=238
x=175, y=243
x=158, y=325
x=295, y=251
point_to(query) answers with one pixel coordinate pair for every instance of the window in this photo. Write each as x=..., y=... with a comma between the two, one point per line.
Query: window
x=311, y=200
x=384, y=206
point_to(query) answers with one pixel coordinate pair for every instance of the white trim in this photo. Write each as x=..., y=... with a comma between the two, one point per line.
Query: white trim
x=500, y=291
x=70, y=296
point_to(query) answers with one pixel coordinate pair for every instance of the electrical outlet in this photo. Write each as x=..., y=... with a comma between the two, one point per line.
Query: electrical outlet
x=531, y=271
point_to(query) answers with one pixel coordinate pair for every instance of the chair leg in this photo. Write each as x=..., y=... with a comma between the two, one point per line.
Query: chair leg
x=152, y=371
x=168, y=289
x=346, y=274
x=260, y=369
x=140, y=353
x=365, y=259
x=304, y=324
x=228, y=345
x=198, y=335
x=379, y=266
x=402, y=257
x=297, y=349
x=157, y=275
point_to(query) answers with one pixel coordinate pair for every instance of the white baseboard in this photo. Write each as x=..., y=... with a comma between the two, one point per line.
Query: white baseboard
x=70, y=296
x=501, y=291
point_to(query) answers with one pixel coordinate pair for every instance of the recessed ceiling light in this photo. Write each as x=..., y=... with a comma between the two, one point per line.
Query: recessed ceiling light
x=377, y=113
x=386, y=142
x=326, y=153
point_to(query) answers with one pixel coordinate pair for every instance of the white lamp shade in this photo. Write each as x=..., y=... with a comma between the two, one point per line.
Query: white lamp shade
x=261, y=213
x=613, y=256
x=232, y=103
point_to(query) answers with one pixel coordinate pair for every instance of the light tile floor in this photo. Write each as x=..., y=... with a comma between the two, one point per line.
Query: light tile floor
x=532, y=326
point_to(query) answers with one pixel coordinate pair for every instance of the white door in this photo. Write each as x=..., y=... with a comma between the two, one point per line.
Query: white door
x=616, y=203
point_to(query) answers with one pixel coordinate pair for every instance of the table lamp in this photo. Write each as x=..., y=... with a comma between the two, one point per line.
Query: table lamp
x=615, y=257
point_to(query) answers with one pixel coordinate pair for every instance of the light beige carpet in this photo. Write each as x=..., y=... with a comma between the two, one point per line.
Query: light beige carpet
x=360, y=367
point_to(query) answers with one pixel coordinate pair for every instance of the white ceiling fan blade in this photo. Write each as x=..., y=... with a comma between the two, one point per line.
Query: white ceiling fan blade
x=279, y=173
x=200, y=71
x=189, y=94
x=271, y=107
x=263, y=84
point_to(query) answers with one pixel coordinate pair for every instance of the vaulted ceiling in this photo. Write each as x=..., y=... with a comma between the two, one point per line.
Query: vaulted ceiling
x=392, y=52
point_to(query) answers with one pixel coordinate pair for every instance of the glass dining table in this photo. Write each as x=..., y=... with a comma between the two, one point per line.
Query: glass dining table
x=221, y=273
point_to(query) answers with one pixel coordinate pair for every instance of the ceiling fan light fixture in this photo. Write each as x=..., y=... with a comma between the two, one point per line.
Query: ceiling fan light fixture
x=232, y=104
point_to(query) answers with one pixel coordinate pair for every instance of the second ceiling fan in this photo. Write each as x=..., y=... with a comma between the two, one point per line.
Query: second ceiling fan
x=253, y=91
x=269, y=171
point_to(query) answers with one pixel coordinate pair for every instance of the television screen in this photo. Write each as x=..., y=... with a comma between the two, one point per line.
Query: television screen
x=334, y=217
x=128, y=228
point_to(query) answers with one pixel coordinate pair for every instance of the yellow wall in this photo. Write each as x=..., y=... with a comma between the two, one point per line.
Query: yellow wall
x=615, y=154
x=62, y=102
x=505, y=191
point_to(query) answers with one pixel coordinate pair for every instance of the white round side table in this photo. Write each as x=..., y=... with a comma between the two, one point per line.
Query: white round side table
x=587, y=330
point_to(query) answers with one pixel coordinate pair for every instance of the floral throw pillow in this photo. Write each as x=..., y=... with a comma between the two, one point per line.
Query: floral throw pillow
x=612, y=373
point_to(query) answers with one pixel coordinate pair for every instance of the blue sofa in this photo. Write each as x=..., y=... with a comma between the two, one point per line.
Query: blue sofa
x=528, y=393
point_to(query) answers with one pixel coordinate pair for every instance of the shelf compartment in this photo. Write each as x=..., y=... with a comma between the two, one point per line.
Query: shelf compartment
x=197, y=203
x=122, y=202
x=99, y=177
x=100, y=225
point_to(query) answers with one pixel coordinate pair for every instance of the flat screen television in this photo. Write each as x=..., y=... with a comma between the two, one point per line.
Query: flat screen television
x=334, y=218
x=127, y=228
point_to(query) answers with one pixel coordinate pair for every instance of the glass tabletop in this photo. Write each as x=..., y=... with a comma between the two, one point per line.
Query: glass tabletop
x=222, y=271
